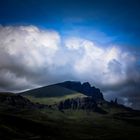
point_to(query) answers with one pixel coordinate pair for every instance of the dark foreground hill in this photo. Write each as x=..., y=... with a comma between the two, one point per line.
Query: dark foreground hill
x=73, y=113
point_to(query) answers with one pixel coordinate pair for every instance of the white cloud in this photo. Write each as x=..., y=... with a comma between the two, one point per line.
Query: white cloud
x=26, y=51
x=31, y=57
x=102, y=66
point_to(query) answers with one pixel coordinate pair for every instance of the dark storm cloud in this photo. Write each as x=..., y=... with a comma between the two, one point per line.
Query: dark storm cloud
x=129, y=94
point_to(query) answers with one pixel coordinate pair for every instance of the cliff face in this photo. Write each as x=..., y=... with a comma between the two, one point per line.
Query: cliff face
x=84, y=88
x=94, y=97
x=86, y=103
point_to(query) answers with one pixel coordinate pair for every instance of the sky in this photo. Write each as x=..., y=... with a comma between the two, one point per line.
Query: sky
x=48, y=41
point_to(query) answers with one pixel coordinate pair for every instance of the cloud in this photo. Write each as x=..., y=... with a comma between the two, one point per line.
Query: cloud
x=32, y=57
x=102, y=66
x=25, y=54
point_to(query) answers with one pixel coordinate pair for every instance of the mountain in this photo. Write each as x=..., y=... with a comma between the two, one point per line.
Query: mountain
x=72, y=95
x=68, y=110
x=61, y=91
x=51, y=94
x=84, y=88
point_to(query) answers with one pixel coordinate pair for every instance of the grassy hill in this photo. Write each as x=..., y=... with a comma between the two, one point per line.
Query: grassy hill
x=49, y=124
x=21, y=119
x=18, y=123
x=51, y=94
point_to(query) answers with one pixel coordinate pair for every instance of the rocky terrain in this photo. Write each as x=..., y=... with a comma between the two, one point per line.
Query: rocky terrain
x=84, y=88
x=75, y=111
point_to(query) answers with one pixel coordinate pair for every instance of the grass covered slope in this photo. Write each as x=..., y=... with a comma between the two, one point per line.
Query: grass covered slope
x=25, y=123
x=22, y=119
x=51, y=94
x=48, y=124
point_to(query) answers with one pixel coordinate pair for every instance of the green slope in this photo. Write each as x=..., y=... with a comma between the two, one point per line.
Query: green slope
x=51, y=94
x=51, y=124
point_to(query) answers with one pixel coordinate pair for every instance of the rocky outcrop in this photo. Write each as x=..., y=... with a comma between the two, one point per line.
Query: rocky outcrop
x=94, y=97
x=84, y=88
x=86, y=103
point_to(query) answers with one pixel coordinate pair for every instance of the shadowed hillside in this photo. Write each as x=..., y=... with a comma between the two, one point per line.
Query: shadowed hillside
x=59, y=92
x=84, y=88
x=51, y=94
x=65, y=113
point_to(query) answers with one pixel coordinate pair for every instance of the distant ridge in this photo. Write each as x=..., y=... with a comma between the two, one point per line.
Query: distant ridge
x=71, y=95
x=48, y=91
x=66, y=95
x=64, y=89
x=84, y=88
